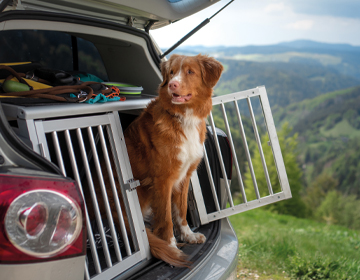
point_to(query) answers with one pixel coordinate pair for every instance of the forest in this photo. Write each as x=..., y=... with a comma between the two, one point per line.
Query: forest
x=314, y=93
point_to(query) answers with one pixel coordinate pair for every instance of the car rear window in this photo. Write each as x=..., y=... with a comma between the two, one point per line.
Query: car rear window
x=53, y=49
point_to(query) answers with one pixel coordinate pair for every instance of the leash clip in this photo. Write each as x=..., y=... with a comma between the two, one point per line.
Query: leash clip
x=81, y=95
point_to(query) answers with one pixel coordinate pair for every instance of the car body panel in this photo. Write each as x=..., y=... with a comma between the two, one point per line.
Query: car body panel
x=72, y=268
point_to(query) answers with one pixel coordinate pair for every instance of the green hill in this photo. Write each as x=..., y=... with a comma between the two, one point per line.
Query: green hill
x=286, y=83
x=313, y=86
x=313, y=100
x=318, y=108
x=329, y=133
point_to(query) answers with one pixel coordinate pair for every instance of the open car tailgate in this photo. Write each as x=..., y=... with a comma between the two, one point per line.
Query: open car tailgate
x=134, y=13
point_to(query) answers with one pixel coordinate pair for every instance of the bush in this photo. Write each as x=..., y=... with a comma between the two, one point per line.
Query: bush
x=350, y=114
x=318, y=190
x=352, y=117
x=340, y=209
x=301, y=269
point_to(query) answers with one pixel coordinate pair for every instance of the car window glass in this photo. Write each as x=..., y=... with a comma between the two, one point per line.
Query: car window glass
x=52, y=49
x=90, y=60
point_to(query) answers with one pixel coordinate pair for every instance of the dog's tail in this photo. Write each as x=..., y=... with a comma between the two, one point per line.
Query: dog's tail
x=160, y=249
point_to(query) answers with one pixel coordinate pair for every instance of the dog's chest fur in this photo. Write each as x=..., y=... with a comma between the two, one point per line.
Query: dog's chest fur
x=191, y=148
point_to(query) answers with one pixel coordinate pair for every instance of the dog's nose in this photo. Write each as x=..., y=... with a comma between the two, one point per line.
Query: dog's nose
x=174, y=85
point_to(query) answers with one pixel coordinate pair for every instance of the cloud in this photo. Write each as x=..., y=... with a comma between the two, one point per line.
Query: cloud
x=274, y=7
x=336, y=8
x=306, y=24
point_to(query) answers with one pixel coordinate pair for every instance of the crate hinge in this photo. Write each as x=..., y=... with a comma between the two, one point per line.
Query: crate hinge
x=131, y=21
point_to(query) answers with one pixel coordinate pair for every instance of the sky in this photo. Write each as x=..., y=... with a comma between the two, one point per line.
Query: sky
x=265, y=22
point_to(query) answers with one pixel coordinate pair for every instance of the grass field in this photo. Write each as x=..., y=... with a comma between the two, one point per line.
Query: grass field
x=275, y=246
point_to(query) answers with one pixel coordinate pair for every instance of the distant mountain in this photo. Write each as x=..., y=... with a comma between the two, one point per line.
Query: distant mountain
x=286, y=83
x=308, y=44
x=343, y=58
x=315, y=87
x=297, y=45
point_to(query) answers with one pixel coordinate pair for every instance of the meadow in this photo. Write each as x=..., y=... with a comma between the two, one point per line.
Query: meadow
x=273, y=246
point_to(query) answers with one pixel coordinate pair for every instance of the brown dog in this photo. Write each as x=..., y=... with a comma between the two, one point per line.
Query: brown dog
x=165, y=146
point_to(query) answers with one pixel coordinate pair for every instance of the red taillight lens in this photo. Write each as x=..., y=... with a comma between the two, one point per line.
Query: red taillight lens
x=40, y=219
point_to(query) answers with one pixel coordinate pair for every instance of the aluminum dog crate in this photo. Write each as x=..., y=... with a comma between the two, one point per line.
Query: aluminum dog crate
x=86, y=142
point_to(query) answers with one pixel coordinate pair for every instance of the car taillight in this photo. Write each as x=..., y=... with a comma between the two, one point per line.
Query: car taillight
x=40, y=219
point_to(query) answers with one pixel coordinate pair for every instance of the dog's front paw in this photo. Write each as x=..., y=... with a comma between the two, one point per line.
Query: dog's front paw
x=173, y=242
x=191, y=237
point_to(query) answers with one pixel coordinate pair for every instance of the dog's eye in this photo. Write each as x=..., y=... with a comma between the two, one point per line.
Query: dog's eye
x=190, y=72
x=171, y=72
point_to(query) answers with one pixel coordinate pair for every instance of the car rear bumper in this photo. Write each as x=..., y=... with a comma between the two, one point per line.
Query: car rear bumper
x=72, y=268
x=221, y=262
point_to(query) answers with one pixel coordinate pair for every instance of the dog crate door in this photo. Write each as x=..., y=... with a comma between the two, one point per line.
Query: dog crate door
x=256, y=163
x=91, y=150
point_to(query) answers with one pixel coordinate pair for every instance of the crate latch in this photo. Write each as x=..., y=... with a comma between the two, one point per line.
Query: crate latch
x=131, y=184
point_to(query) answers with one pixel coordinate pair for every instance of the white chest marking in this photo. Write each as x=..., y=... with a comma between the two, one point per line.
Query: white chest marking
x=191, y=150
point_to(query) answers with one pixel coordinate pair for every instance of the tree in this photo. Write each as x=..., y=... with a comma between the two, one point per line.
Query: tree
x=288, y=144
x=337, y=208
x=318, y=190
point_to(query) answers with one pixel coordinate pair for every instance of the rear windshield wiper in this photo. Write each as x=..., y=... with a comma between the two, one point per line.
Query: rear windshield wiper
x=192, y=32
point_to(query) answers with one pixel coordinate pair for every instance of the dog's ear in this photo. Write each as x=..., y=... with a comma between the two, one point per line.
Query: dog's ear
x=164, y=66
x=165, y=69
x=211, y=70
